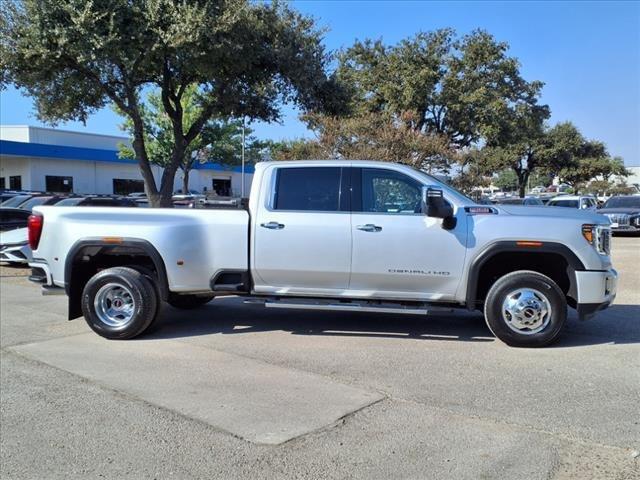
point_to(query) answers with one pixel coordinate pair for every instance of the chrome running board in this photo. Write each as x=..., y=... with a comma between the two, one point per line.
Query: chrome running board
x=332, y=305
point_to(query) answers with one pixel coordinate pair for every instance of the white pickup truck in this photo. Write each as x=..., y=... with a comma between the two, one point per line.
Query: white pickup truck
x=331, y=235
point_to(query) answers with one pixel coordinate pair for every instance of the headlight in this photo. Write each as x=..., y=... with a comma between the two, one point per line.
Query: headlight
x=599, y=236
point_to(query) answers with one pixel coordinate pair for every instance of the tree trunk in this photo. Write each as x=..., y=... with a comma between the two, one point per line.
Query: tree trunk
x=140, y=150
x=169, y=175
x=185, y=181
x=166, y=187
x=523, y=178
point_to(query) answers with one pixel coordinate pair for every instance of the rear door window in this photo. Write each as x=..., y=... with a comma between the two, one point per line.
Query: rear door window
x=308, y=189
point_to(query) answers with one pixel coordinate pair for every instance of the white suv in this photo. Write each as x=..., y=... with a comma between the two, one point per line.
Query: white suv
x=582, y=202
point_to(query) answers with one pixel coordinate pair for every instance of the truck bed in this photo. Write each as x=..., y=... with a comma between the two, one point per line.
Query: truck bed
x=194, y=244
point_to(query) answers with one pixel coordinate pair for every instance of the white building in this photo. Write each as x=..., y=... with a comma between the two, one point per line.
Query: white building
x=52, y=160
x=633, y=179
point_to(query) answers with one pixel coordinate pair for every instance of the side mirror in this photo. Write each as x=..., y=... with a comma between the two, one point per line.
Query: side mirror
x=434, y=205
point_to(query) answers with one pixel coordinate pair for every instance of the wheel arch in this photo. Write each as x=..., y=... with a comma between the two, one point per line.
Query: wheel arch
x=89, y=255
x=549, y=258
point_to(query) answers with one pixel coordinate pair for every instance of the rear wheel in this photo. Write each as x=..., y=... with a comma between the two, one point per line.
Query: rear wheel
x=525, y=309
x=187, y=302
x=119, y=303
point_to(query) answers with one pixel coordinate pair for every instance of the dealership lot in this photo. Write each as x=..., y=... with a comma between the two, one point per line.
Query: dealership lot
x=237, y=391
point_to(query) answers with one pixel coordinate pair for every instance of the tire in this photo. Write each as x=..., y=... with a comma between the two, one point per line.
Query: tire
x=188, y=302
x=136, y=308
x=515, y=305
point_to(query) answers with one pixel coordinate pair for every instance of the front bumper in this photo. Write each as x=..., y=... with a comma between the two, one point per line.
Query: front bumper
x=625, y=228
x=596, y=290
x=17, y=253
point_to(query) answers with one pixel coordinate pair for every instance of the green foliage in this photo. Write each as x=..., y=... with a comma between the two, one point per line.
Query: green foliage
x=220, y=140
x=507, y=181
x=242, y=58
x=471, y=174
x=593, y=162
x=369, y=137
x=460, y=88
x=426, y=101
x=561, y=150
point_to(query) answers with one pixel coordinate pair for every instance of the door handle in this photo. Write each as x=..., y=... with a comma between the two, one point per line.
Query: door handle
x=369, y=227
x=272, y=225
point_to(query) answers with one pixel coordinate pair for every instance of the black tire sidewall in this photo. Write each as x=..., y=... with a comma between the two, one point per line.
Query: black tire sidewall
x=525, y=279
x=142, y=291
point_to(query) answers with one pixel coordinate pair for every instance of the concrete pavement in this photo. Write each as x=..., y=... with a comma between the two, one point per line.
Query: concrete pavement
x=237, y=391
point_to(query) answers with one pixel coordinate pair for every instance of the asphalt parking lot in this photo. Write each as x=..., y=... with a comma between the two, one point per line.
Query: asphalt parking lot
x=238, y=391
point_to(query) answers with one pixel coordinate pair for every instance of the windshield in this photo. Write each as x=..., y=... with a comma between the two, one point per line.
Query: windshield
x=623, y=202
x=15, y=201
x=69, y=202
x=29, y=204
x=564, y=203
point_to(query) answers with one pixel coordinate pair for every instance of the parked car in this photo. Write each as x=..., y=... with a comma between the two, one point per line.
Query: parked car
x=623, y=212
x=29, y=200
x=519, y=201
x=191, y=192
x=97, y=201
x=143, y=202
x=7, y=194
x=16, y=200
x=12, y=218
x=14, y=247
x=40, y=200
x=586, y=202
x=188, y=197
x=400, y=241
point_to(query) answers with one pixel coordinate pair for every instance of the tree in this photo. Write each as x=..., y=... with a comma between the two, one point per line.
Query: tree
x=243, y=58
x=471, y=174
x=592, y=162
x=220, y=140
x=426, y=101
x=456, y=88
x=369, y=137
x=507, y=181
x=525, y=146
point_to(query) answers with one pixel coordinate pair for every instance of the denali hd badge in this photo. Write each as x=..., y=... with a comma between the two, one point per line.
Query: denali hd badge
x=431, y=273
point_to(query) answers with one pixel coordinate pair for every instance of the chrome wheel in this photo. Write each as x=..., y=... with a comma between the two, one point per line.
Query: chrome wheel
x=526, y=311
x=114, y=305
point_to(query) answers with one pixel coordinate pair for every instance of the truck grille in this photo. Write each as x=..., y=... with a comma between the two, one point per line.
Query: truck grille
x=619, y=218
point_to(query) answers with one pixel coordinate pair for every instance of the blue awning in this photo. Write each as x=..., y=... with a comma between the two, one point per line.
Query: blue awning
x=62, y=152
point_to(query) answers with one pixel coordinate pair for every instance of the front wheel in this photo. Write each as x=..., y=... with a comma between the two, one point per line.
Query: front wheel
x=119, y=303
x=525, y=309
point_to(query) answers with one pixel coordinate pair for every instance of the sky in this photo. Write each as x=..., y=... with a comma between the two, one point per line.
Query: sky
x=586, y=53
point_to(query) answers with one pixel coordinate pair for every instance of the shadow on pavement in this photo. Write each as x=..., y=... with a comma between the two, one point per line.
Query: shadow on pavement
x=620, y=324
x=231, y=317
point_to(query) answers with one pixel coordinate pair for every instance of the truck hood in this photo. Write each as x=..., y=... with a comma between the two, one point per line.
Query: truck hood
x=628, y=210
x=13, y=237
x=555, y=212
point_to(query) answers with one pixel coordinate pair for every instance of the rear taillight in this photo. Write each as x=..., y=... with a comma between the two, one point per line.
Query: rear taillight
x=34, y=229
